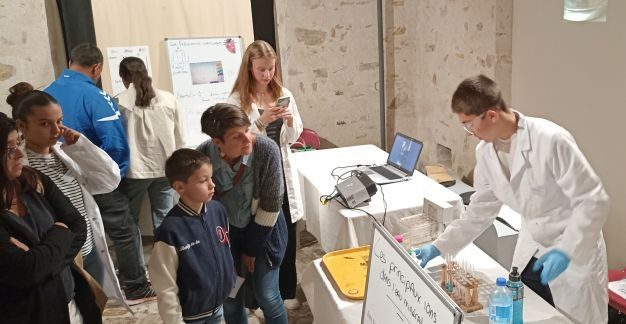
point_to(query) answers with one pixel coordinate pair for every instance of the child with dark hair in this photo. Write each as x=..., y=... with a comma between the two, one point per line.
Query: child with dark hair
x=77, y=167
x=191, y=267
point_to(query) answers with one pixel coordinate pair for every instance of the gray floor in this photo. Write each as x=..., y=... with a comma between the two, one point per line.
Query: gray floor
x=147, y=313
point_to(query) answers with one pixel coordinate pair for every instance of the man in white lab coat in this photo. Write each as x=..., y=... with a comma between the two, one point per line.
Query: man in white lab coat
x=535, y=167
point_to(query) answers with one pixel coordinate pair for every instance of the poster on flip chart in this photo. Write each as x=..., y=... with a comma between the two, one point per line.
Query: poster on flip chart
x=398, y=290
x=203, y=72
x=115, y=56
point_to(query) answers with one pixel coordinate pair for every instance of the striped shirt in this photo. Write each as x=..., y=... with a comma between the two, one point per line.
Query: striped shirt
x=57, y=171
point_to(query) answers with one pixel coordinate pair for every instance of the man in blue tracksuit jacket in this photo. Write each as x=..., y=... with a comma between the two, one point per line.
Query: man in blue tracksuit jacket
x=92, y=112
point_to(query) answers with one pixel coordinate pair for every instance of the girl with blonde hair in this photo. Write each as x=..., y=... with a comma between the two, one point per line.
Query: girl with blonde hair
x=256, y=91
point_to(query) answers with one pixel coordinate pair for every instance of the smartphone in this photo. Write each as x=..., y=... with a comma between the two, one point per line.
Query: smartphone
x=283, y=101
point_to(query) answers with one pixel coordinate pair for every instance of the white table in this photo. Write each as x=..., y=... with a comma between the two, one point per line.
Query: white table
x=328, y=306
x=338, y=228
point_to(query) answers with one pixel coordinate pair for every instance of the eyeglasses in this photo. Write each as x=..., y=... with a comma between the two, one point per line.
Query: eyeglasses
x=471, y=124
x=12, y=151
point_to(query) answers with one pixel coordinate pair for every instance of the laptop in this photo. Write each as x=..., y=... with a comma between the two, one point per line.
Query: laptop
x=401, y=162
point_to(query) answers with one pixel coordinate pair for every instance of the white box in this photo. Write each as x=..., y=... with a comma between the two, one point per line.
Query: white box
x=439, y=210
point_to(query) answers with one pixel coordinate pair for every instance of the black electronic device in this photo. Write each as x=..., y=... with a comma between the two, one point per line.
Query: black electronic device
x=356, y=189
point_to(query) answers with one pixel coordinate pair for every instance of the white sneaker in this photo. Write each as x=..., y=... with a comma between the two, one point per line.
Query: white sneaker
x=291, y=304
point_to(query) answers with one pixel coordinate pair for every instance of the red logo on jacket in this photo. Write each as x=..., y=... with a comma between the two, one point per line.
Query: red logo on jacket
x=222, y=235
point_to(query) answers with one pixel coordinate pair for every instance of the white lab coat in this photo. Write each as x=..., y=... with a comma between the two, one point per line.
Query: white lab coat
x=288, y=136
x=97, y=173
x=563, y=205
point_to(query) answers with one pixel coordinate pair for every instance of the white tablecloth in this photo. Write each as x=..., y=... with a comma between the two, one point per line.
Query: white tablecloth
x=338, y=228
x=328, y=306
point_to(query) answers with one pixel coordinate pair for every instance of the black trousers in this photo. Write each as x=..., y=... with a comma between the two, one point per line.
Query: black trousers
x=531, y=279
x=288, y=277
x=123, y=231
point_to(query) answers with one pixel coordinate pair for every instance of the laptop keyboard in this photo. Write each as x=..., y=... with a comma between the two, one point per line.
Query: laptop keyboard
x=386, y=173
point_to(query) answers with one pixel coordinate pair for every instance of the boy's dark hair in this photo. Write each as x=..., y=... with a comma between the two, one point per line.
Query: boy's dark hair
x=477, y=94
x=183, y=163
x=218, y=119
x=86, y=55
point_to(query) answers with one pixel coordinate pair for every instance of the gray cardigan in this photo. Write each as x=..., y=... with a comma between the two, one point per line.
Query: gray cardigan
x=267, y=192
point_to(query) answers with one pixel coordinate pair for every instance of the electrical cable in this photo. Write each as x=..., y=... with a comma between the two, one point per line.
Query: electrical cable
x=384, y=203
x=332, y=172
x=357, y=209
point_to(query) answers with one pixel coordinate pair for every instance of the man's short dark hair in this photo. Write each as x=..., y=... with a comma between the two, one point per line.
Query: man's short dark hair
x=183, y=163
x=218, y=119
x=477, y=94
x=86, y=55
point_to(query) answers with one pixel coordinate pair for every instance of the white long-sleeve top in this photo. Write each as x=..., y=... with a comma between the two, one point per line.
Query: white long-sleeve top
x=154, y=132
x=288, y=136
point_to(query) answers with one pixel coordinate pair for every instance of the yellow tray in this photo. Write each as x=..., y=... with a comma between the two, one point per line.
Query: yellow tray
x=348, y=270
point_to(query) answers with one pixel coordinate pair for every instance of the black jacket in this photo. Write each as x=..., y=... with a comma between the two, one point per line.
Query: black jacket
x=31, y=288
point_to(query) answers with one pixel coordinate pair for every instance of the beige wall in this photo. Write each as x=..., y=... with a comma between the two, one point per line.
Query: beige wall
x=24, y=46
x=574, y=74
x=452, y=40
x=330, y=57
x=149, y=22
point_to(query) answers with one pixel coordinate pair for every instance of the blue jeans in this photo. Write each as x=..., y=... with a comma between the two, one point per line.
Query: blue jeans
x=214, y=319
x=265, y=283
x=93, y=265
x=161, y=197
x=159, y=191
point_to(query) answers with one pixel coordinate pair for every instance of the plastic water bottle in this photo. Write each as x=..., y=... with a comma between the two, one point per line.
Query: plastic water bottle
x=517, y=292
x=501, y=304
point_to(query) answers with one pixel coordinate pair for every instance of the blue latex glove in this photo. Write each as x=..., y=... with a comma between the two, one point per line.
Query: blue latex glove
x=554, y=262
x=426, y=253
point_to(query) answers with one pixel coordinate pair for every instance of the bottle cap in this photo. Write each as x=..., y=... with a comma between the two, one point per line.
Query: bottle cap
x=514, y=275
x=399, y=238
x=500, y=282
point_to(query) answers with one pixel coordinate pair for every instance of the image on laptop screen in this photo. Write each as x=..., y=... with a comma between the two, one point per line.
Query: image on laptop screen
x=404, y=153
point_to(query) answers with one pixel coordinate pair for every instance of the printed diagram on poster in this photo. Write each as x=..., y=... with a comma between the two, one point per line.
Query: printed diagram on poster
x=115, y=56
x=203, y=72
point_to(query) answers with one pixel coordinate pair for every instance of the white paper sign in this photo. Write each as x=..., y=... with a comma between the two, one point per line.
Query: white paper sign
x=116, y=55
x=399, y=291
x=203, y=72
x=618, y=287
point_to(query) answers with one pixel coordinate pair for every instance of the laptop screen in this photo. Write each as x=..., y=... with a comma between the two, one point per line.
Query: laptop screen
x=404, y=154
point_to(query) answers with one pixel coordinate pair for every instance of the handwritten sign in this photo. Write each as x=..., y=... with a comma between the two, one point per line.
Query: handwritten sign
x=115, y=56
x=399, y=291
x=203, y=72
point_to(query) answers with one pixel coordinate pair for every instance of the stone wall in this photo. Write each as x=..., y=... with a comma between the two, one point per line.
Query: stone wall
x=25, y=54
x=329, y=56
